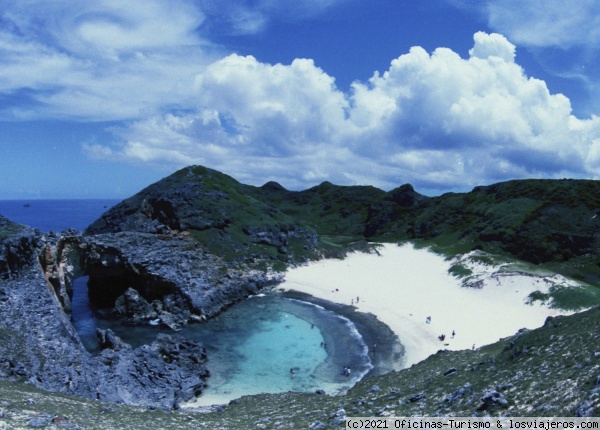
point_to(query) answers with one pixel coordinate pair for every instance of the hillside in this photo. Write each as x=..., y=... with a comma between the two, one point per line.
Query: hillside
x=550, y=371
x=553, y=223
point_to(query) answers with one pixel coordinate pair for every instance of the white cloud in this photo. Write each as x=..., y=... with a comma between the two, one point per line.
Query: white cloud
x=562, y=38
x=436, y=120
x=542, y=23
x=492, y=45
x=101, y=60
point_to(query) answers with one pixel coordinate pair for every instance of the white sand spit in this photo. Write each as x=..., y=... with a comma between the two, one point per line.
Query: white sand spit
x=403, y=286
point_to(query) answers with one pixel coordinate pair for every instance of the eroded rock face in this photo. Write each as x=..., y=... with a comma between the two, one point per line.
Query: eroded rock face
x=144, y=277
x=169, y=371
x=168, y=277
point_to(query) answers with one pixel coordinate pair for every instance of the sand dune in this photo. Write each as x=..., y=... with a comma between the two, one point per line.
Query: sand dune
x=403, y=286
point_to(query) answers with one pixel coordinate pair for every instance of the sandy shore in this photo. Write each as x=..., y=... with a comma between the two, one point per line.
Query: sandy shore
x=403, y=286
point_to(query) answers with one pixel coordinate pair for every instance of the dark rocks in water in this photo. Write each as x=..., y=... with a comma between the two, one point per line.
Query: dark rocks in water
x=107, y=339
x=134, y=307
x=142, y=276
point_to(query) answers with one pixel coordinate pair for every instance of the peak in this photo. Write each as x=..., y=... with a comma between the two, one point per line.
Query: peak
x=273, y=186
x=325, y=184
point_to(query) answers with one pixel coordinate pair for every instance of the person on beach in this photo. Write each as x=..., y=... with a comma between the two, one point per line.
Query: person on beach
x=428, y=320
x=453, y=333
x=352, y=302
x=357, y=299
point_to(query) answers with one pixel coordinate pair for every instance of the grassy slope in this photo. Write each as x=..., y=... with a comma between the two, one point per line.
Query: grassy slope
x=553, y=223
x=550, y=371
x=548, y=222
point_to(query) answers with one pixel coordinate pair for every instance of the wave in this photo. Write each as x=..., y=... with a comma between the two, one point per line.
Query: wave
x=354, y=333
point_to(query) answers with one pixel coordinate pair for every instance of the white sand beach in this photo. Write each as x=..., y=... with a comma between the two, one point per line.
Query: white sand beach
x=403, y=286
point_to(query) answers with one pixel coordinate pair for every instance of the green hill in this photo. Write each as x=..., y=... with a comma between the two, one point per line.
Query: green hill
x=553, y=223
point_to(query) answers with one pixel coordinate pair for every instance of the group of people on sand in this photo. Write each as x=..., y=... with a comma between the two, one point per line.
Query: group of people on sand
x=441, y=337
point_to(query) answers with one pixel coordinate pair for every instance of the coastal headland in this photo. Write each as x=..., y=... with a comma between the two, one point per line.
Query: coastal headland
x=487, y=264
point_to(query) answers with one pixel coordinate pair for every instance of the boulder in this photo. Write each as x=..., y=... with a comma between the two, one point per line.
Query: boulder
x=134, y=307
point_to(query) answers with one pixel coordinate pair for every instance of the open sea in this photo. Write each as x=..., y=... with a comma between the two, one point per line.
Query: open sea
x=253, y=345
x=55, y=215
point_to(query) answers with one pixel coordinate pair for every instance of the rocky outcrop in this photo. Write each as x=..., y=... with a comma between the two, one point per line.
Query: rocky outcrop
x=172, y=277
x=38, y=344
x=169, y=371
x=134, y=307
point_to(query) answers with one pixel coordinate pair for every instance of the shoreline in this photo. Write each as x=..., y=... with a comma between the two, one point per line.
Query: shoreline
x=388, y=347
x=403, y=287
x=371, y=330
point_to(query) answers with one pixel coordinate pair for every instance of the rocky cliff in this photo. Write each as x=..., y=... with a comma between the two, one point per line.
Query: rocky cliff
x=39, y=346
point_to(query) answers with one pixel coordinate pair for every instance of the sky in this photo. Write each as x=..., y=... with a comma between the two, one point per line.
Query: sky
x=100, y=99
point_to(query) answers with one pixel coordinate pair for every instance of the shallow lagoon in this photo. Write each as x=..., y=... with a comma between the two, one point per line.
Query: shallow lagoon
x=253, y=345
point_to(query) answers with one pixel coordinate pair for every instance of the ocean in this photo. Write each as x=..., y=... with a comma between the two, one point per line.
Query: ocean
x=55, y=215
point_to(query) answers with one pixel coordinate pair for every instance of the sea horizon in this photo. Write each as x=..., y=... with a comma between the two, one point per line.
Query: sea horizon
x=55, y=214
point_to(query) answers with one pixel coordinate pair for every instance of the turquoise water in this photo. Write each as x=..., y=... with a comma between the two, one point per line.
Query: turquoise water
x=253, y=345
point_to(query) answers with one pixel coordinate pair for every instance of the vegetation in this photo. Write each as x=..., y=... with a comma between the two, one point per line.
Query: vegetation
x=551, y=223
x=550, y=371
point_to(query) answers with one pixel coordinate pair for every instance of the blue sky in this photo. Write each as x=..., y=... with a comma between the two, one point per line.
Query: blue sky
x=100, y=99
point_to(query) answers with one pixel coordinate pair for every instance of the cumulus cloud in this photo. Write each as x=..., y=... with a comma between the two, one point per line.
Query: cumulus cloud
x=434, y=119
x=563, y=37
